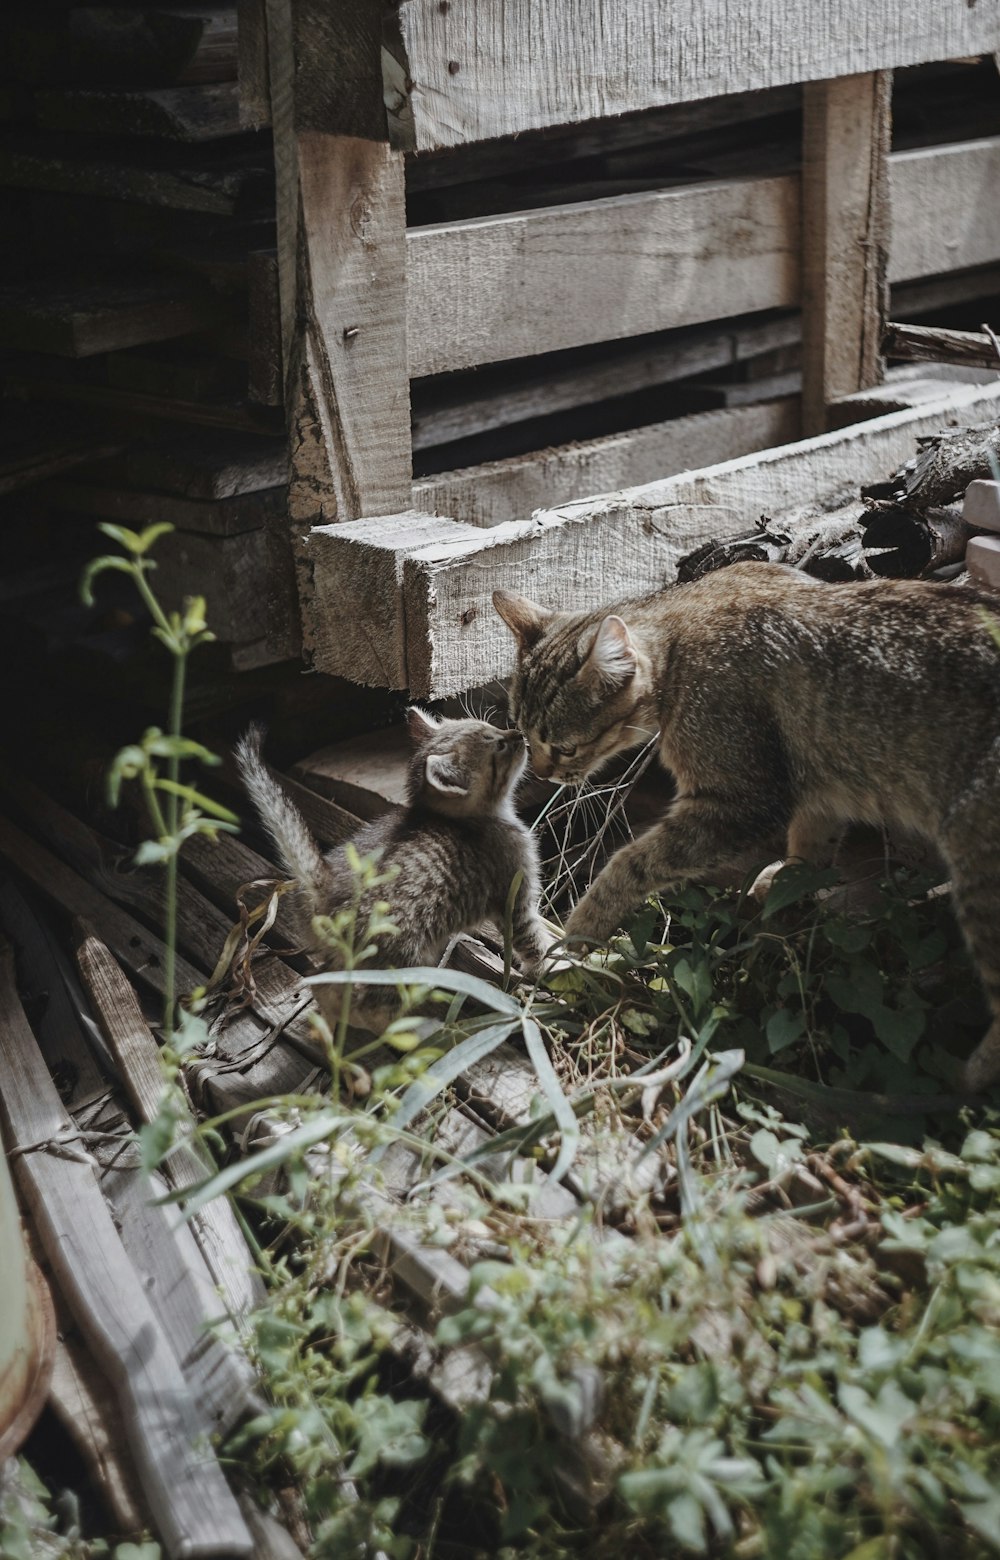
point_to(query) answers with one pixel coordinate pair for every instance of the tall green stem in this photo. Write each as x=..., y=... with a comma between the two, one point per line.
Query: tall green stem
x=172, y=810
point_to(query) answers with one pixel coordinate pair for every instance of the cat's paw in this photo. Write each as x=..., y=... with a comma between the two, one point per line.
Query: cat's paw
x=761, y=885
x=588, y=926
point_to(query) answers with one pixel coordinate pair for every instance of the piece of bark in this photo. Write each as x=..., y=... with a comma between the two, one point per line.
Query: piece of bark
x=943, y=467
x=902, y=544
x=932, y=344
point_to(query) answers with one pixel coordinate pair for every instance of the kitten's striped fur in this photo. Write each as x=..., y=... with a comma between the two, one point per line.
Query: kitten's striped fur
x=454, y=850
x=785, y=709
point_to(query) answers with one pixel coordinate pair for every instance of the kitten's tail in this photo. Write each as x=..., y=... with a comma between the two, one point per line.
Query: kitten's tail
x=298, y=852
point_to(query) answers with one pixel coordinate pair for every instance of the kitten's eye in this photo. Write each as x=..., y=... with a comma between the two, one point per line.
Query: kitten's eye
x=558, y=754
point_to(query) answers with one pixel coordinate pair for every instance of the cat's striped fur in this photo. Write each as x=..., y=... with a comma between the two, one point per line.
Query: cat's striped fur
x=785, y=709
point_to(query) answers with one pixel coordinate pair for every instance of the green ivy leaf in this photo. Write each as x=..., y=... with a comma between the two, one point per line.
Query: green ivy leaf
x=784, y=1027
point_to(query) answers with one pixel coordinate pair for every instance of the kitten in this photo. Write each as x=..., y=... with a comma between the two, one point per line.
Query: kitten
x=454, y=850
x=786, y=709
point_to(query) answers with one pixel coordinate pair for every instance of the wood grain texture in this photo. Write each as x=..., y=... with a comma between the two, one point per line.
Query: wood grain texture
x=599, y=549
x=845, y=238
x=361, y=632
x=483, y=70
x=251, y=57
x=528, y=282
x=230, y=516
x=194, y=1510
x=538, y=281
x=446, y=411
x=512, y=489
x=945, y=212
x=131, y=1042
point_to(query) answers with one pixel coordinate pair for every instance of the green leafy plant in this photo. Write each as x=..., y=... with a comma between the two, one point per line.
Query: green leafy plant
x=176, y=808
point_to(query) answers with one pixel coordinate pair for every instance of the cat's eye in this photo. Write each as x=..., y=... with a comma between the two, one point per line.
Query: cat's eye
x=560, y=753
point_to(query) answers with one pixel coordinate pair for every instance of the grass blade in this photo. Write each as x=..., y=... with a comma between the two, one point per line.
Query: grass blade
x=562, y=1110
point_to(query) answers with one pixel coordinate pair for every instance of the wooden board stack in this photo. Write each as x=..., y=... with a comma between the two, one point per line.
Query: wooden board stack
x=147, y=310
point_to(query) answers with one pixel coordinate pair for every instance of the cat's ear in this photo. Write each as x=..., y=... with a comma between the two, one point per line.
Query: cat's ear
x=445, y=775
x=526, y=620
x=420, y=725
x=612, y=658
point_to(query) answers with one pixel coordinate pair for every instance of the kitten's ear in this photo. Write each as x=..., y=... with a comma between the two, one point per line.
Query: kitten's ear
x=526, y=620
x=444, y=775
x=612, y=657
x=420, y=725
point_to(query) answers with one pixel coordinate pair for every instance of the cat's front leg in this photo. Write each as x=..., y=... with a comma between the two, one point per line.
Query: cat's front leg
x=811, y=837
x=697, y=837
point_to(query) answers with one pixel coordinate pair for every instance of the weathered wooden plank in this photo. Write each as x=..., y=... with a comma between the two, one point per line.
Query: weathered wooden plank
x=539, y=281
x=129, y=44
x=199, y=465
x=35, y=444
x=238, y=575
x=512, y=489
x=192, y=114
x=484, y=71
x=597, y=550
x=371, y=639
x=341, y=264
x=251, y=48
x=209, y=179
x=78, y=319
x=845, y=238
x=528, y=282
x=212, y=517
x=944, y=208
x=264, y=380
x=131, y=1041
x=443, y=411
x=141, y=952
x=193, y=1507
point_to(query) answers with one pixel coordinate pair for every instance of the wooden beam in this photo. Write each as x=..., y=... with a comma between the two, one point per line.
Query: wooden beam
x=845, y=238
x=526, y=282
x=480, y=71
x=597, y=550
x=79, y=318
x=341, y=270
x=512, y=489
x=538, y=281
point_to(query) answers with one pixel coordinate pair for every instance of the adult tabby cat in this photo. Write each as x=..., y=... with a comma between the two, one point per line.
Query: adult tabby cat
x=786, y=709
x=452, y=853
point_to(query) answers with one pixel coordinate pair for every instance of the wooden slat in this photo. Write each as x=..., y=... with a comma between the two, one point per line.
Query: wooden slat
x=192, y=114
x=200, y=465
x=212, y=517
x=131, y=1041
x=207, y=180
x=512, y=489
x=193, y=1507
x=445, y=411
x=529, y=282
x=613, y=546
x=845, y=238
x=945, y=213
x=480, y=71
x=539, y=281
x=79, y=319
